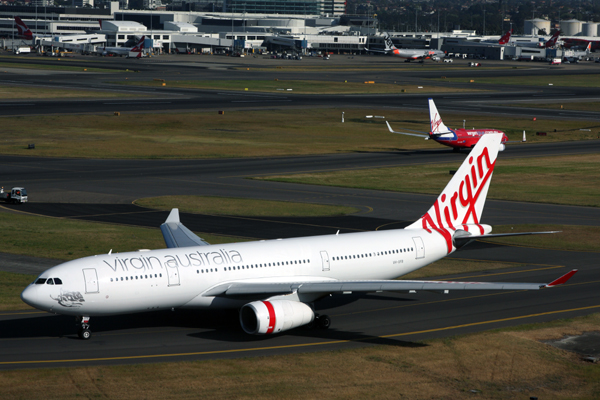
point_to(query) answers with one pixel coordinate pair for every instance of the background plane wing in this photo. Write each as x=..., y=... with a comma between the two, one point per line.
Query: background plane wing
x=177, y=235
x=407, y=133
x=260, y=289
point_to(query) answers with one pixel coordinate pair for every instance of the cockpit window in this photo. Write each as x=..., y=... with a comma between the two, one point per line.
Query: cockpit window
x=50, y=281
x=57, y=281
x=40, y=281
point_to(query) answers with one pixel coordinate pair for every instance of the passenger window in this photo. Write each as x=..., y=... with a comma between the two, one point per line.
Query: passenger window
x=57, y=281
x=111, y=279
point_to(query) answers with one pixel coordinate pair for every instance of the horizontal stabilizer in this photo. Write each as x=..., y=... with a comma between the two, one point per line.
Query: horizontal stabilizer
x=177, y=235
x=461, y=240
x=406, y=133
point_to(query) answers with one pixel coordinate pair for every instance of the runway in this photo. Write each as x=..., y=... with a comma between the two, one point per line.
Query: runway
x=102, y=190
x=485, y=98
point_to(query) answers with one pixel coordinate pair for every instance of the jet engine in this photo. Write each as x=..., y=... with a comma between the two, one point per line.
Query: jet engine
x=267, y=317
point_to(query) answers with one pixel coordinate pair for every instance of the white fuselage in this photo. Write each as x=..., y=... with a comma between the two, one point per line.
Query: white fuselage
x=178, y=277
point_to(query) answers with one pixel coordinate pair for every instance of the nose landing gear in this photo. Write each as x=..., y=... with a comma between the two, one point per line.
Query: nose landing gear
x=84, y=330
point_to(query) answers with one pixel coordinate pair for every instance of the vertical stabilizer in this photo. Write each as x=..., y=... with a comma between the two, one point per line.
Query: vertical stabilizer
x=552, y=41
x=389, y=45
x=460, y=204
x=22, y=29
x=437, y=126
x=505, y=38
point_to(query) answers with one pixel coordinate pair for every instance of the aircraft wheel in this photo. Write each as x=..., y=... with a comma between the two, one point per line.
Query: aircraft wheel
x=324, y=322
x=85, y=334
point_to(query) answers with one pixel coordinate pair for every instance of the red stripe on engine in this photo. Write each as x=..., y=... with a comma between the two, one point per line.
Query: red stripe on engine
x=272, y=318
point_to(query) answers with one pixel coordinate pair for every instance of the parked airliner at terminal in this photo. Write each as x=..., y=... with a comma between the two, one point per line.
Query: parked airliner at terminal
x=274, y=283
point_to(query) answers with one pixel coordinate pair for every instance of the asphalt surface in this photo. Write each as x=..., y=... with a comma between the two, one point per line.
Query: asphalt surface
x=341, y=68
x=102, y=190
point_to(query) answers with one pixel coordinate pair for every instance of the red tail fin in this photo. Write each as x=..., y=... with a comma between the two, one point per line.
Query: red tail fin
x=506, y=38
x=552, y=41
x=22, y=29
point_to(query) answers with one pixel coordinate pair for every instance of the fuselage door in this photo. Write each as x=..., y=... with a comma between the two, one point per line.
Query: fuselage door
x=91, y=280
x=173, y=275
x=325, y=259
x=419, y=247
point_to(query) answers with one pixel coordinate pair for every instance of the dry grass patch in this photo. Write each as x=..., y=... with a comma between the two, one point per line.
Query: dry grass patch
x=585, y=80
x=571, y=237
x=560, y=180
x=253, y=133
x=301, y=87
x=66, y=239
x=502, y=364
x=244, y=207
x=36, y=92
x=576, y=106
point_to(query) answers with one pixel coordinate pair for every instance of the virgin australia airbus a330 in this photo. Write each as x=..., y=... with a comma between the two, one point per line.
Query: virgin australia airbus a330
x=274, y=283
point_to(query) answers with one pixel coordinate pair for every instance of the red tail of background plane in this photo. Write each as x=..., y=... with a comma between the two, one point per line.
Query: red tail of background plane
x=552, y=41
x=23, y=31
x=506, y=38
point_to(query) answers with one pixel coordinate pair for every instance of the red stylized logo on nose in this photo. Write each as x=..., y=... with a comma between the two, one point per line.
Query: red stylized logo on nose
x=462, y=203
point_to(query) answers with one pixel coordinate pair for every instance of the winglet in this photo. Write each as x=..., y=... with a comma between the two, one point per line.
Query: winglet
x=562, y=279
x=389, y=127
x=173, y=216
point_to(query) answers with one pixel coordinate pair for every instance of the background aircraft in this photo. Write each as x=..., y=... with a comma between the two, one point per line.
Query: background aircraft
x=23, y=31
x=275, y=282
x=455, y=138
x=135, y=51
x=408, y=54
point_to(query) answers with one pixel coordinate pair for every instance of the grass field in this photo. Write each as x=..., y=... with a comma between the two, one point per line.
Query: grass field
x=559, y=180
x=36, y=92
x=302, y=87
x=502, y=364
x=252, y=133
x=586, y=80
x=576, y=106
x=60, y=66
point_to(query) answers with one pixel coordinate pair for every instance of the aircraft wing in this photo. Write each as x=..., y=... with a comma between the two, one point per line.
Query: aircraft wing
x=423, y=135
x=260, y=289
x=177, y=235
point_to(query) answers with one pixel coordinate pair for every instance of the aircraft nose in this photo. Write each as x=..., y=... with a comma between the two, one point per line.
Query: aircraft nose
x=30, y=295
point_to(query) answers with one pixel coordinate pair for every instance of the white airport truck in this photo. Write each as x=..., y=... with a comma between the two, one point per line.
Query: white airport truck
x=22, y=50
x=16, y=195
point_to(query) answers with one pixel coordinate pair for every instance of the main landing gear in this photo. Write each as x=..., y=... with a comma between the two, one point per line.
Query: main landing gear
x=84, y=330
x=322, y=322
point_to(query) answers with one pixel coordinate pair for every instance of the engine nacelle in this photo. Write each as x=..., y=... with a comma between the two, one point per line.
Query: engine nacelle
x=267, y=317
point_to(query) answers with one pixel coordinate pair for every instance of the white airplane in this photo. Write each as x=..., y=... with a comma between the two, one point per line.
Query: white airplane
x=133, y=52
x=408, y=54
x=275, y=282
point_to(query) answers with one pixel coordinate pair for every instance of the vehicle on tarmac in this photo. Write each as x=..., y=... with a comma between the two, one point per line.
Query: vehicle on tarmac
x=17, y=195
x=455, y=138
x=275, y=283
